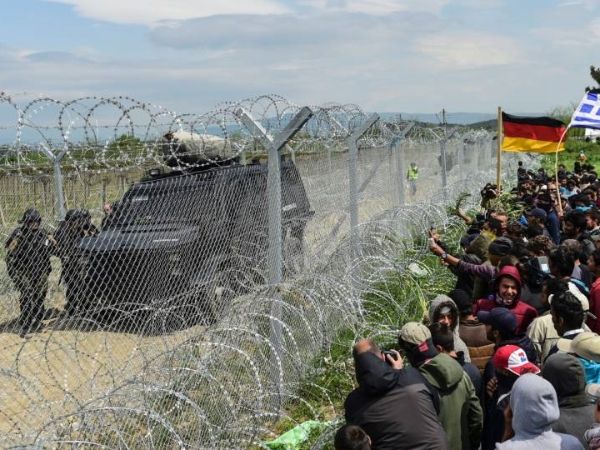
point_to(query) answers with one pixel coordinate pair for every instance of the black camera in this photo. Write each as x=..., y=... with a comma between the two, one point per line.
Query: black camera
x=391, y=354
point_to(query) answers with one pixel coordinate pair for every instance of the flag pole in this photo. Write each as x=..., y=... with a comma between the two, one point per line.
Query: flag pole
x=558, y=197
x=499, y=152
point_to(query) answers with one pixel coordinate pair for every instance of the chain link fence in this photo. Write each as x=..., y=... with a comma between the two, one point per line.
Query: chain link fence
x=168, y=279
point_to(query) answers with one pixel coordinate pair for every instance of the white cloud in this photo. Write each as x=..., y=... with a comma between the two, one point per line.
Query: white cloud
x=463, y=50
x=149, y=12
x=377, y=6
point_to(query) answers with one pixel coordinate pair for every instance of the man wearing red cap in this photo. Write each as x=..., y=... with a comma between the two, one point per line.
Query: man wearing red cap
x=507, y=292
x=509, y=362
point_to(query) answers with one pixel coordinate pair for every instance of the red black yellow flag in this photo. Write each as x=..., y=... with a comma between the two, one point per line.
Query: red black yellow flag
x=532, y=134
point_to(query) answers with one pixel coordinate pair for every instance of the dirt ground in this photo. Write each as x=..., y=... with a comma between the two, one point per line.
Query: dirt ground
x=53, y=372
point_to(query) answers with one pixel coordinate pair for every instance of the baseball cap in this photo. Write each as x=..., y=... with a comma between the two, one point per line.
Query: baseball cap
x=500, y=319
x=513, y=359
x=585, y=344
x=414, y=333
x=538, y=213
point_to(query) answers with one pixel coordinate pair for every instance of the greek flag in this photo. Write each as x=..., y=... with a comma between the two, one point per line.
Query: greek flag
x=587, y=114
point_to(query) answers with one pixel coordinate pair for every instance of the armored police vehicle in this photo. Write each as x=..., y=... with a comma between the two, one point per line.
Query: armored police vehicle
x=182, y=244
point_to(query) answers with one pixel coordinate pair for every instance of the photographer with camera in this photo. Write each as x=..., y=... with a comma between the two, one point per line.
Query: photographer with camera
x=393, y=404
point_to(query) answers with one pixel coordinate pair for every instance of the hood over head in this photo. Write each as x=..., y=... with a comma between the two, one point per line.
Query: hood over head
x=510, y=272
x=374, y=376
x=565, y=373
x=438, y=304
x=443, y=371
x=534, y=406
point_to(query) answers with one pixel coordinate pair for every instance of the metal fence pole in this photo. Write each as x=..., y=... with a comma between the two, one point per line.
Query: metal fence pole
x=275, y=231
x=396, y=148
x=353, y=178
x=461, y=161
x=444, y=169
x=58, y=180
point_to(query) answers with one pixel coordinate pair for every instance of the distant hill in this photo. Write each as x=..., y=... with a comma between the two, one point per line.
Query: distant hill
x=452, y=118
x=474, y=120
x=491, y=125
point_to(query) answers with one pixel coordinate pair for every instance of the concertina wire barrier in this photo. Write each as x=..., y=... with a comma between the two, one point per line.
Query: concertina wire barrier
x=138, y=305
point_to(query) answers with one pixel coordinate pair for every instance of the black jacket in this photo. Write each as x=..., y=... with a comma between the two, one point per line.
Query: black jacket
x=395, y=408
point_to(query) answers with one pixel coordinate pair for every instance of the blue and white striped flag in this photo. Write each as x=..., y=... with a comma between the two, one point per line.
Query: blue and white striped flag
x=587, y=114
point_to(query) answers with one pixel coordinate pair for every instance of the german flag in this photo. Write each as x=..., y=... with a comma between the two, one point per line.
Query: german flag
x=531, y=134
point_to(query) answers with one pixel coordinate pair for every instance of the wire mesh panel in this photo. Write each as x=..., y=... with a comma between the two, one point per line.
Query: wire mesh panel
x=138, y=304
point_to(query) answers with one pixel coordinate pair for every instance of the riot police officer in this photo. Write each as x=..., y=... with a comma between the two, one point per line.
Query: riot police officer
x=76, y=225
x=28, y=251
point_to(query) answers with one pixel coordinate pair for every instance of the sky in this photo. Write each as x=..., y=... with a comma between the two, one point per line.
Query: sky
x=385, y=55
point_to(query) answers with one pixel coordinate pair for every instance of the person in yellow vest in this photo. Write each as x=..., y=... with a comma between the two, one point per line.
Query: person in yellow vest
x=412, y=176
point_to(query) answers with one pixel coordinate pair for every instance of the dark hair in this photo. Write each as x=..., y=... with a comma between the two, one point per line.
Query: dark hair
x=577, y=218
x=568, y=307
x=556, y=286
x=533, y=231
x=463, y=301
x=541, y=245
x=508, y=260
x=442, y=335
x=351, y=437
x=495, y=225
x=562, y=261
x=596, y=257
x=594, y=214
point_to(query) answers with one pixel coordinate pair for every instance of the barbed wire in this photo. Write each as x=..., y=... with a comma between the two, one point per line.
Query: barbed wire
x=159, y=327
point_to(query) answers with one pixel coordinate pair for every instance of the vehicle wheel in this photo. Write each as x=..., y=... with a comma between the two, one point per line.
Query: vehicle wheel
x=293, y=251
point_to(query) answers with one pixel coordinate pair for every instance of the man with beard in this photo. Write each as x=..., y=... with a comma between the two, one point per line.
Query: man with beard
x=507, y=291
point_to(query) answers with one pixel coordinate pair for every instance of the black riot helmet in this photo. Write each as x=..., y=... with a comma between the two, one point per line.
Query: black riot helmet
x=31, y=215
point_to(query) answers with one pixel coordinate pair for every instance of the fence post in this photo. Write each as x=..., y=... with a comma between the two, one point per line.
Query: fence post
x=353, y=178
x=275, y=250
x=58, y=180
x=461, y=160
x=395, y=148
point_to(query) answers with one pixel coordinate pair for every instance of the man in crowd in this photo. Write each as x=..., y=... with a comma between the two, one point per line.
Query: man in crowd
x=442, y=309
x=565, y=373
x=472, y=331
x=443, y=339
x=586, y=346
x=507, y=291
x=594, y=266
x=460, y=411
x=508, y=364
x=393, y=405
x=541, y=331
x=485, y=272
x=567, y=318
x=574, y=227
x=529, y=415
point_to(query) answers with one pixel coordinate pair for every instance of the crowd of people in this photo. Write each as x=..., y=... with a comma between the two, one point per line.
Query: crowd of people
x=510, y=358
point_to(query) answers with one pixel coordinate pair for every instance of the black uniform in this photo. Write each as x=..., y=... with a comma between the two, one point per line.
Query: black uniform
x=69, y=233
x=28, y=263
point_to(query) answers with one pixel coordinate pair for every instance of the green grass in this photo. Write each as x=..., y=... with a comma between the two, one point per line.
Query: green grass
x=400, y=297
x=571, y=154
